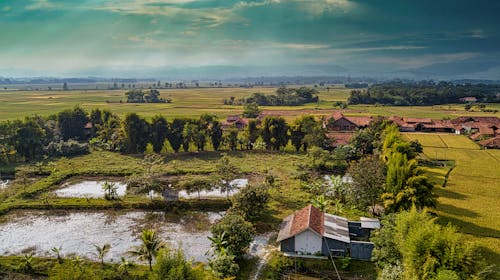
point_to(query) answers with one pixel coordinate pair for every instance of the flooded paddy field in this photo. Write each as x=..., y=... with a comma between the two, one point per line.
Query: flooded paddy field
x=90, y=189
x=216, y=192
x=78, y=232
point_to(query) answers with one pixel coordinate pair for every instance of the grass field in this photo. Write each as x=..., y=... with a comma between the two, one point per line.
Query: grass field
x=193, y=102
x=471, y=197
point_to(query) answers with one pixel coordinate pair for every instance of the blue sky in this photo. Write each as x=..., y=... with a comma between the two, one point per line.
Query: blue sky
x=56, y=37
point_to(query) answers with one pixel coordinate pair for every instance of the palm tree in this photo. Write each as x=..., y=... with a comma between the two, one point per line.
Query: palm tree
x=102, y=251
x=124, y=266
x=320, y=202
x=110, y=190
x=57, y=252
x=27, y=263
x=149, y=248
x=219, y=245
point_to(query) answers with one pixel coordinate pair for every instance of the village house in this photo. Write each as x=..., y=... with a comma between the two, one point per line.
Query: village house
x=422, y=125
x=310, y=232
x=235, y=122
x=339, y=122
x=340, y=128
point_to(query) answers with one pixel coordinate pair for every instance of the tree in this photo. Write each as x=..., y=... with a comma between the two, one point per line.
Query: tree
x=71, y=123
x=238, y=233
x=251, y=110
x=57, y=253
x=172, y=265
x=216, y=134
x=28, y=139
x=189, y=135
x=175, y=133
x=110, y=190
x=251, y=202
x=232, y=139
x=159, y=132
x=102, y=252
x=252, y=133
x=65, y=86
x=426, y=249
x=148, y=250
x=274, y=132
x=224, y=266
x=136, y=131
x=406, y=185
x=226, y=172
x=368, y=176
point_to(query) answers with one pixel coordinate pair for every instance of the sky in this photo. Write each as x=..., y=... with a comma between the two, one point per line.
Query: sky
x=155, y=37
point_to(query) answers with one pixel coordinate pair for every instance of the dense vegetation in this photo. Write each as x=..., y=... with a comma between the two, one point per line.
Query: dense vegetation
x=151, y=96
x=283, y=97
x=423, y=93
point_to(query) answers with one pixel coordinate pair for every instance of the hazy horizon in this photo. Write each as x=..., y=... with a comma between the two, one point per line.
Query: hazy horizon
x=227, y=39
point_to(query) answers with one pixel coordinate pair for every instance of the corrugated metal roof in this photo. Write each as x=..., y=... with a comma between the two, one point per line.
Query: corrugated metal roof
x=370, y=223
x=336, y=227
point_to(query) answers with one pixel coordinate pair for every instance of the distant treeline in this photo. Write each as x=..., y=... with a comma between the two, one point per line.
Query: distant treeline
x=151, y=96
x=283, y=97
x=423, y=93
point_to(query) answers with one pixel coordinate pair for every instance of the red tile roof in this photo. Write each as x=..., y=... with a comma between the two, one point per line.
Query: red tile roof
x=339, y=138
x=360, y=121
x=491, y=143
x=306, y=218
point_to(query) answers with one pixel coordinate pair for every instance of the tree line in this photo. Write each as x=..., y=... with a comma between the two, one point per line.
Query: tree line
x=74, y=131
x=283, y=97
x=423, y=93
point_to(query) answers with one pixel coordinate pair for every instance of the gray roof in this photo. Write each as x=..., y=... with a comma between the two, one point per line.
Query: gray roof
x=285, y=227
x=370, y=223
x=336, y=228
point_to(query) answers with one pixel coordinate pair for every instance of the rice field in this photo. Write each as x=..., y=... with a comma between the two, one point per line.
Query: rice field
x=471, y=197
x=193, y=102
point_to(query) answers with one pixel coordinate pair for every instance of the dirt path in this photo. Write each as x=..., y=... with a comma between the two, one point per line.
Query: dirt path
x=260, y=249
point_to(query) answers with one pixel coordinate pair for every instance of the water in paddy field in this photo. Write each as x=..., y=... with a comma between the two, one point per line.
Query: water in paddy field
x=77, y=232
x=4, y=184
x=216, y=192
x=90, y=189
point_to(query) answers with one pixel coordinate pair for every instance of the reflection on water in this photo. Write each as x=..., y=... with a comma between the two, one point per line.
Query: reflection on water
x=91, y=189
x=77, y=232
x=237, y=183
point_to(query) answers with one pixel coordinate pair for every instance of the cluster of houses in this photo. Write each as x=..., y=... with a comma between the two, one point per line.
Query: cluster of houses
x=485, y=130
x=311, y=233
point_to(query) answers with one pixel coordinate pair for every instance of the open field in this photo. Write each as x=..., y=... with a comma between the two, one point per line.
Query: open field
x=193, y=102
x=470, y=198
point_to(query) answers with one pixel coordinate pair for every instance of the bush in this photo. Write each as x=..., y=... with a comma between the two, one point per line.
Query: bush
x=251, y=202
x=67, y=148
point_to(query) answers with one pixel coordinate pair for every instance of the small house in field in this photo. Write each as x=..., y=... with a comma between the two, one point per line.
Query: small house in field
x=235, y=122
x=310, y=232
x=339, y=122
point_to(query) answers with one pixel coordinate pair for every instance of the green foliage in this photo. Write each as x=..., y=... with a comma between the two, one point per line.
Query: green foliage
x=251, y=202
x=150, y=245
x=159, y=132
x=216, y=134
x=368, y=176
x=284, y=97
x=172, y=265
x=307, y=132
x=224, y=265
x=151, y=96
x=110, y=190
x=425, y=249
x=238, y=233
x=274, y=132
x=175, y=135
x=101, y=252
x=251, y=110
x=136, y=132
x=406, y=185
x=71, y=123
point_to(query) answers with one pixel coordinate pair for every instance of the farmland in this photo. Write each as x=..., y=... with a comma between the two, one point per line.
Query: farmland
x=470, y=198
x=193, y=102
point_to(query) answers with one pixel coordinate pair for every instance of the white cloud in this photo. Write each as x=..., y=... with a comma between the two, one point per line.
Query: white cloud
x=6, y=8
x=40, y=5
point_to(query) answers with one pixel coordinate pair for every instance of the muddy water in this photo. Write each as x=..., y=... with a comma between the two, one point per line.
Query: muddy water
x=216, y=192
x=77, y=232
x=91, y=189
